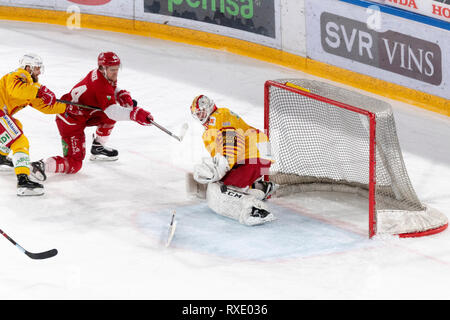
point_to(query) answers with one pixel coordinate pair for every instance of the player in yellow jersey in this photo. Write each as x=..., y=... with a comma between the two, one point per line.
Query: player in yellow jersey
x=19, y=89
x=240, y=156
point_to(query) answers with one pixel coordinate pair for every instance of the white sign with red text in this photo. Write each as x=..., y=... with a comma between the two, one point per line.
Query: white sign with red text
x=113, y=8
x=397, y=50
x=439, y=9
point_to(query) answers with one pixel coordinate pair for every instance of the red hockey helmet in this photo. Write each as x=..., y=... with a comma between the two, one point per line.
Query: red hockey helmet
x=108, y=59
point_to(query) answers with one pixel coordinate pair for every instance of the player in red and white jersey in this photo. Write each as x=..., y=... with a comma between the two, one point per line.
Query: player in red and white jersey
x=98, y=89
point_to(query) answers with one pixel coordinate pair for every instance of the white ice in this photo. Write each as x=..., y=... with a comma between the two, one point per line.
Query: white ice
x=109, y=221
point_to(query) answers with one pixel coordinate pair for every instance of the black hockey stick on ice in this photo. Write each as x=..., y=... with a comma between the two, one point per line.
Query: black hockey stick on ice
x=179, y=138
x=36, y=256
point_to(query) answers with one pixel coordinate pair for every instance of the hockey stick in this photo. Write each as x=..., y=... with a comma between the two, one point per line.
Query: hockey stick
x=179, y=138
x=172, y=227
x=79, y=105
x=36, y=256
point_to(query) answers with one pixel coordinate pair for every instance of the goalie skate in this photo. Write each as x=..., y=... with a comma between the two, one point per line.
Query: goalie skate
x=267, y=187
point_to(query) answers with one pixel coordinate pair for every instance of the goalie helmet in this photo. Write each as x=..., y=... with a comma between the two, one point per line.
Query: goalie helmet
x=202, y=107
x=32, y=60
x=108, y=59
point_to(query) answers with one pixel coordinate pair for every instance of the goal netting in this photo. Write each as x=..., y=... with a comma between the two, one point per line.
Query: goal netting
x=327, y=138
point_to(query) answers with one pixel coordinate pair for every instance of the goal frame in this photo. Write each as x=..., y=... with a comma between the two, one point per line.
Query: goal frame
x=372, y=150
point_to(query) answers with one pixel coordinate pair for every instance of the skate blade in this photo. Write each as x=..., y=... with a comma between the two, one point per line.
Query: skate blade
x=102, y=158
x=4, y=167
x=25, y=192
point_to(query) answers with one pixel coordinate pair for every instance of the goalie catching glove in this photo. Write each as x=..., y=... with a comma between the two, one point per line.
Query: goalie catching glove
x=211, y=169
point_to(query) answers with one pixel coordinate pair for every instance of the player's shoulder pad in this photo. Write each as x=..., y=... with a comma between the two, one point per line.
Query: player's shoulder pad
x=223, y=111
x=22, y=75
x=228, y=112
x=94, y=75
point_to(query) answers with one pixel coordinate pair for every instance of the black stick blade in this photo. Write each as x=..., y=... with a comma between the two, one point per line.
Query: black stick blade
x=42, y=255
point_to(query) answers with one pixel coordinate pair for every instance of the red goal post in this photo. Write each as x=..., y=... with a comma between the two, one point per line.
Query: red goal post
x=328, y=138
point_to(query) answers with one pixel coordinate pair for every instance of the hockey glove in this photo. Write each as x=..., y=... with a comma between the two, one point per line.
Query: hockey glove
x=124, y=99
x=211, y=169
x=46, y=95
x=141, y=116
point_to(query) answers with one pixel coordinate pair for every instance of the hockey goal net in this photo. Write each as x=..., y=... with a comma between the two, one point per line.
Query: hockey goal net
x=326, y=138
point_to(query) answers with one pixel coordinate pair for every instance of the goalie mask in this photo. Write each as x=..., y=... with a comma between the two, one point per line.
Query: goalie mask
x=34, y=62
x=202, y=107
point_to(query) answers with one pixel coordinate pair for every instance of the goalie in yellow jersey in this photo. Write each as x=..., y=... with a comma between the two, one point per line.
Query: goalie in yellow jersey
x=240, y=156
x=19, y=89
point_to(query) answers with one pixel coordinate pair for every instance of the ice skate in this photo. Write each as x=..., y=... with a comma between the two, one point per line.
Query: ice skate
x=5, y=163
x=26, y=187
x=38, y=170
x=100, y=152
x=267, y=187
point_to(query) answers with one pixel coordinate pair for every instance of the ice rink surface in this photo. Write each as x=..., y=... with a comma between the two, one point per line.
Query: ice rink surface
x=110, y=220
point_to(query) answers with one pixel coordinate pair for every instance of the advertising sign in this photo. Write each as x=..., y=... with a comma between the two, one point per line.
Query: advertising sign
x=91, y=2
x=396, y=50
x=391, y=51
x=28, y=3
x=113, y=8
x=439, y=9
x=252, y=20
x=248, y=15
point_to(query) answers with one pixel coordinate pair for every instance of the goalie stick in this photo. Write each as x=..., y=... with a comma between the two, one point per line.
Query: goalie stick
x=179, y=138
x=36, y=256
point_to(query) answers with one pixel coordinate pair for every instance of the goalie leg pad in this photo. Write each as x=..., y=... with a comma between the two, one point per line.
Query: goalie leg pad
x=233, y=204
x=194, y=188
